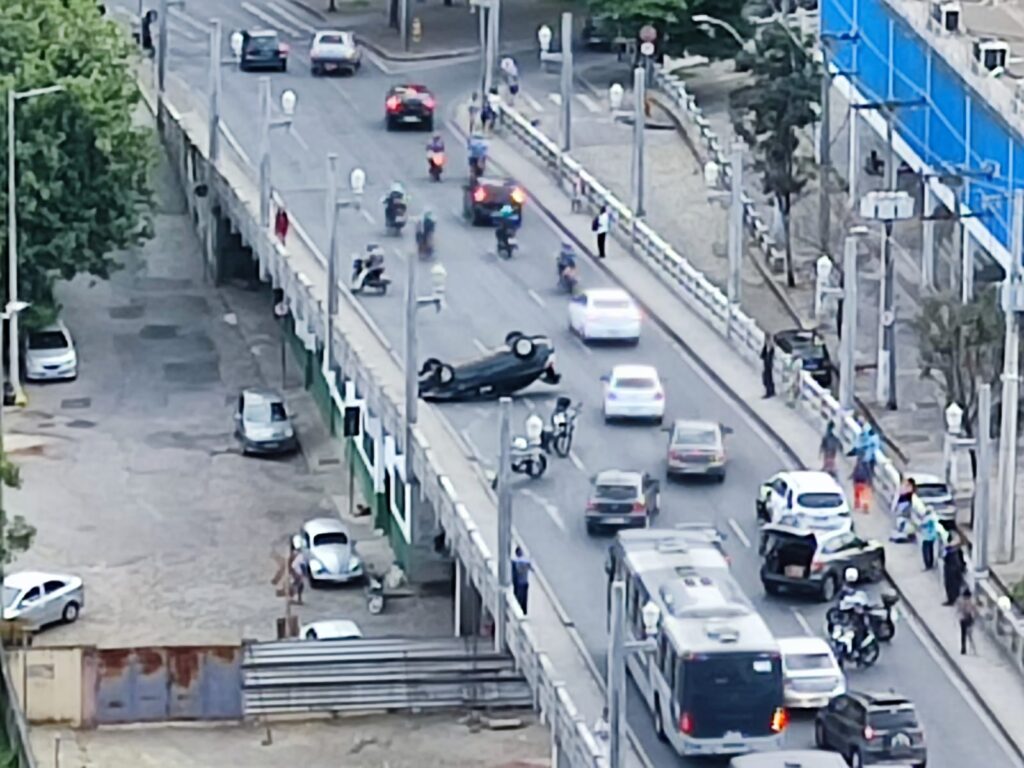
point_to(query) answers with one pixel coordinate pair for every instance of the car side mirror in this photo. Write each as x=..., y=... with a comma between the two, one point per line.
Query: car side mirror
x=297, y=541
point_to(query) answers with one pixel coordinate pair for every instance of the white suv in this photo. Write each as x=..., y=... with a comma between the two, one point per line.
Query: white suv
x=803, y=499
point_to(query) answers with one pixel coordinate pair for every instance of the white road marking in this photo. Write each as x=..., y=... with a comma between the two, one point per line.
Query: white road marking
x=480, y=345
x=577, y=462
x=801, y=620
x=548, y=507
x=233, y=141
x=267, y=18
x=178, y=15
x=282, y=11
x=588, y=102
x=377, y=61
x=556, y=98
x=535, y=105
x=536, y=297
x=366, y=215
x=735, y=527
x=474, y=451
x=294, y=133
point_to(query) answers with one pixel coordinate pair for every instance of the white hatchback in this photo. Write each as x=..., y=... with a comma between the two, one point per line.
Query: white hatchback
x=811, y=676
x=50, y=354
x=634, y=392
x=807, y=499
x=606, y=314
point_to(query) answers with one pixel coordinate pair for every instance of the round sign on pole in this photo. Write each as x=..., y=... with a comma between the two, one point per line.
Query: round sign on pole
x=647, y=49
x=648, y=34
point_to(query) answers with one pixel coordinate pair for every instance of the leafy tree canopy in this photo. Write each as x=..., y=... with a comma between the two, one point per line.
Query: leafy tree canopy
x=673, y=20
x=82, y=163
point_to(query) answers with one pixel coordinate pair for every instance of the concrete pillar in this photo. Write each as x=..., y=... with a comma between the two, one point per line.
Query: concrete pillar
x=468, y=605
x=424, y=564
x=927, y=238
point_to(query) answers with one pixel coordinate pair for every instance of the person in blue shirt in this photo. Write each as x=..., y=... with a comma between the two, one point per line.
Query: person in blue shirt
x=477, y=155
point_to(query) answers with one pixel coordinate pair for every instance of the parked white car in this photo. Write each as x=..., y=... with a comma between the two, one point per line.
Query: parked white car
x=605, y=314
x=634, y=392
x=803, y=499
x=328, y=552
x=50, y=354
x=334, y=51
x=37, y=599
x=331, y=629
x=811, y=676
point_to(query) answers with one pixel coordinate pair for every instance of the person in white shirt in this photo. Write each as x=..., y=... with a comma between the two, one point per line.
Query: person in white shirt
x=601, y=225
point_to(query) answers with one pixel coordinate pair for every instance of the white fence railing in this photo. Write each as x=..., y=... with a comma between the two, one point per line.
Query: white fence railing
x=710, y=303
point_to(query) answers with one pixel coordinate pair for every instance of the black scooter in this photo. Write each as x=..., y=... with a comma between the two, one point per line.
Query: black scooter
x=507, y=243
x=368, y=272
x=395, y=217
x=881, y=618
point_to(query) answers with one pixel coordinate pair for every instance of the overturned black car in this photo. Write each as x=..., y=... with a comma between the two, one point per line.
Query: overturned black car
x=524, y=360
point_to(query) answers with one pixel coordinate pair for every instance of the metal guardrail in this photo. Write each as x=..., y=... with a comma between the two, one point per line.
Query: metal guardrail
x=373, y=674
x=184, y=135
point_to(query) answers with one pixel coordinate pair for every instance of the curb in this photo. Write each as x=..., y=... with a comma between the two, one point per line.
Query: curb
x=387, y=55
x=933, y=638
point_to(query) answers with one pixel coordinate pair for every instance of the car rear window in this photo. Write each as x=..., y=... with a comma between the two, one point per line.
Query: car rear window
x=803, y=662
x=819, y=500
x=695, y=437
x=932, y=491
x=328, y=539
x=615, y=492
x=332, y=40
x=47, y=340
x=265, y=413
x=634, y=383
x=264, y=43
x=612, y=304
x=887, y=719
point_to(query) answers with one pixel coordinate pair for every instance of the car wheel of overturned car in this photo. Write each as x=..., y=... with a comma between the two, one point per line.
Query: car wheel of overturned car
x=445, y=374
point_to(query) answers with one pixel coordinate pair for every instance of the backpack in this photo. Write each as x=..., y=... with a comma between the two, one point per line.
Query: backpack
x=594, y=224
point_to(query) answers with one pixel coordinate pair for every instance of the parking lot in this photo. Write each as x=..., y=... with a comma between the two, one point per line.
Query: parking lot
x=132, y=476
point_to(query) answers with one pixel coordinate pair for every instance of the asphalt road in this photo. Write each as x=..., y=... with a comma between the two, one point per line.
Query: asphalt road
x=488, y=298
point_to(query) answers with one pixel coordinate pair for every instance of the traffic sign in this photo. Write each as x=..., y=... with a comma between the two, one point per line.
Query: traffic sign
x=647, y=49
x=648, y=34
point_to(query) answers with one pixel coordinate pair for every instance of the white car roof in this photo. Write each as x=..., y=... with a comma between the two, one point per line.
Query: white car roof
x=333, y=629
x=811, y=480
x=29, y=579
x=614, y=294
x=339, y=32
x=696, y=424
x=635, y=372
x=926, y=478
x=325, y=525
x=805, y=645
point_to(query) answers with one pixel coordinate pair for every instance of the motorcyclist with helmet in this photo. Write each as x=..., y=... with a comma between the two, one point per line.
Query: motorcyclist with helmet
x=425, y=234
x=477, y=147
x=505, y=230
x=395, y=206
x=435, y=156
x=566, y=265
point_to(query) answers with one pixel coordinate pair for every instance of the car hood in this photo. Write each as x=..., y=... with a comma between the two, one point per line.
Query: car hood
x=334, y=558
x=49, y=355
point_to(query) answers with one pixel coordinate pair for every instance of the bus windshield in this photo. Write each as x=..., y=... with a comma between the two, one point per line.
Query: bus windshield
x=731, y=693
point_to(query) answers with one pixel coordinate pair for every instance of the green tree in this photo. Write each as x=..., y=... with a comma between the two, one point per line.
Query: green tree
x=960, y=344
x=16, y=535
x=771, y=112
x=673, y=20
x=82, y=161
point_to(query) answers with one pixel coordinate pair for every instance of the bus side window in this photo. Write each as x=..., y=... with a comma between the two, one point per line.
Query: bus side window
x=666, y=658
x=631, y=601
x=678, y=687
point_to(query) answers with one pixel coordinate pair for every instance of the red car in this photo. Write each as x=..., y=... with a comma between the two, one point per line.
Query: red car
x=409, y=105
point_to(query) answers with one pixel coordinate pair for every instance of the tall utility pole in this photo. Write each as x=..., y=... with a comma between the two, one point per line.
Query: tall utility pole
x=639, y=120
x=566, y=82
x=161, y=52
x=848, y=342
x=403, y=23
x=412, y=385
x=215, y=64
x=504, y=524
x=886, y=384
x=736, y=239
x=266, y=119
x=825, y=159
x=485, y=70
x=616, y=675
x=332, y=253
x=982, y=492
x=1007, y=472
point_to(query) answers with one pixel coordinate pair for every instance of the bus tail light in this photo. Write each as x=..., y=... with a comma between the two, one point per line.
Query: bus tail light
x=686, y=723
x=780, y=719
x=869, y=733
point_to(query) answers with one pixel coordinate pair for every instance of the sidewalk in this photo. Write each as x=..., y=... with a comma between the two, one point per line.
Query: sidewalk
x=995, y=683
x=678, y=208
x=449, y=29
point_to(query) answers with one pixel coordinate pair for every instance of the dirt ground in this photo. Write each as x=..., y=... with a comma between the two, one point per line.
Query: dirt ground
x=378, y=741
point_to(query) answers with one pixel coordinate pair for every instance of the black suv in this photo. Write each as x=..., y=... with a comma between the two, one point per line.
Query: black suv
x=870, y=728
x=263, y=49
x=810, y=347
x=815, y=561
x=409, y=105
x=622, y=499
x=486, y=196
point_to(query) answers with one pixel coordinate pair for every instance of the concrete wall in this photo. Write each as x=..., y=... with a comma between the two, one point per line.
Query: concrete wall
x=49, y=684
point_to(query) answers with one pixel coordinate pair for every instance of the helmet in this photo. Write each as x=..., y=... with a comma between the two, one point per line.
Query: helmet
x=567, y=248
x=850, y=575
x=397, y=187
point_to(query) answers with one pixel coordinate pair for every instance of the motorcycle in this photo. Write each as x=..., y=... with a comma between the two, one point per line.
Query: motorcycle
x=563, y=425
x=395, y=216
x=528, y=453
x=368, y=272
x=507, y=243
x=567, y=279
x=435, y=164
x=863, y=654
x=881, y=618
x=425, y=244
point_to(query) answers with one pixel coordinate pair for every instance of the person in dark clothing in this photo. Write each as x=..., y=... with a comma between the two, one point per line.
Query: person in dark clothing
x=953, y=565
x=768, y=366
x=520, y=577
x=967, y=614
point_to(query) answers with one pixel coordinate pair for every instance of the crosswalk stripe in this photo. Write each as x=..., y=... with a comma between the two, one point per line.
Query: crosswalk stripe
x=291, y=17
x=556, y=98
x=535, y=105
x=587, y=102
x=267, y=18
x=178, y=15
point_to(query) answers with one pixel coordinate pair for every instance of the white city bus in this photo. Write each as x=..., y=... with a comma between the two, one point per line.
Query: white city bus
x=714, y=685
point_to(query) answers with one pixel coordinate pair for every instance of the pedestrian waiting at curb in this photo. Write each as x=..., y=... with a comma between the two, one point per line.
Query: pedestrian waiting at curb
x=768, y=367
x=601, y=224
x=953, y=567
x=861, y=486
x=967, y=615
x=931, y=532
x=829, y=449
x=908, y=510
x=521, y=578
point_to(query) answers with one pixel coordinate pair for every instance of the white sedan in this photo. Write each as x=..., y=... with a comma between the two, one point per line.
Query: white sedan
x=37, y=599
x=606, y=314
x=634, y=392
x=811, y=676
x=334, y=51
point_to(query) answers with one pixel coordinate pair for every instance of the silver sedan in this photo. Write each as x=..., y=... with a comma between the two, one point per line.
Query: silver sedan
x=36, y=599
x=328, y=552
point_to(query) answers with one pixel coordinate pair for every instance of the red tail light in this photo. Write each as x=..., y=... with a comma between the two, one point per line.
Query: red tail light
x=429, y=103
x=393, y=103
x=686, y=723
x=675, y=455
x=780, y=719
x=591, y=505
x=518, y=197
x=638, y=506
x=817, y=566
x=869, y=732
x=479, y=194
x=283, y=48
x=659, y=395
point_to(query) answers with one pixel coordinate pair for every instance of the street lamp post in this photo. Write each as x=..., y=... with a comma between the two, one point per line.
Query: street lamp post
x=334, y=205
x=11, y=311
x=983, y=445
x=268, y=123
x=618, y=650
x=566, y=83
x=161, y=54
x=639, y=122
x=13, y=97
